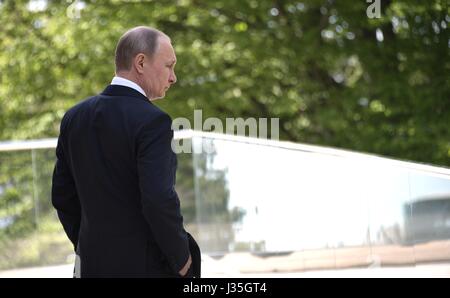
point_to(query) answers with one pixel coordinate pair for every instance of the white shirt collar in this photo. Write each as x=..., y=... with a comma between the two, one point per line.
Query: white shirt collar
x=127, y=83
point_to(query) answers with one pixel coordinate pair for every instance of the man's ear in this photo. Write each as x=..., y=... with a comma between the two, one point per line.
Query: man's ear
x=139, y=63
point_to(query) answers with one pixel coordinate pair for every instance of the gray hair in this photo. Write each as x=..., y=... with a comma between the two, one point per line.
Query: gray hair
x=137, y=40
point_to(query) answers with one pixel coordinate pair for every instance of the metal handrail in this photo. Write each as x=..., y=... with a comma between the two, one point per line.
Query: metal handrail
x=189, y=134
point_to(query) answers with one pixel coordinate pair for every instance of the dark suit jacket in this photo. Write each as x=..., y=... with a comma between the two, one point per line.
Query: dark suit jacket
x=113, y=188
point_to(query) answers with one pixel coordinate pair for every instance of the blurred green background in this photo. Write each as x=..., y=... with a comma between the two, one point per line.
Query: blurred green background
x=332, y=76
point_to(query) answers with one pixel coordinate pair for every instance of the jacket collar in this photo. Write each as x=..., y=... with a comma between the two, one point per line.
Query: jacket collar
x=118, y=90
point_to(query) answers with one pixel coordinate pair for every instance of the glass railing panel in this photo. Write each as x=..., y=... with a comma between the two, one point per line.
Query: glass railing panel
x=428, y=229
x=258, y=207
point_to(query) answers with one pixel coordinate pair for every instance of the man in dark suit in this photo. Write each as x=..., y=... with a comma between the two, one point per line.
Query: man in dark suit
x=113, y=183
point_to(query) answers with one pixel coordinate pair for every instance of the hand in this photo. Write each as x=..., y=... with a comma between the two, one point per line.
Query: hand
x=186, y=267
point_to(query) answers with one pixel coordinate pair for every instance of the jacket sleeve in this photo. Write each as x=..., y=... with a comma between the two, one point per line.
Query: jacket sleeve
x=160, y=202
x=64, y=194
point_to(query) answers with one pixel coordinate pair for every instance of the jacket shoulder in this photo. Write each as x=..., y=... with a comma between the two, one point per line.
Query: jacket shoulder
x=68, y=116
x=147, y=114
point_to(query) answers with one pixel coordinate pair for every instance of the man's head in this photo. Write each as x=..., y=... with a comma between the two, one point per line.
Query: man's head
x=146, y=56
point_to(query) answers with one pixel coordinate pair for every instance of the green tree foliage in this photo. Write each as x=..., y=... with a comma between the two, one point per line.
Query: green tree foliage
x=333, y=76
